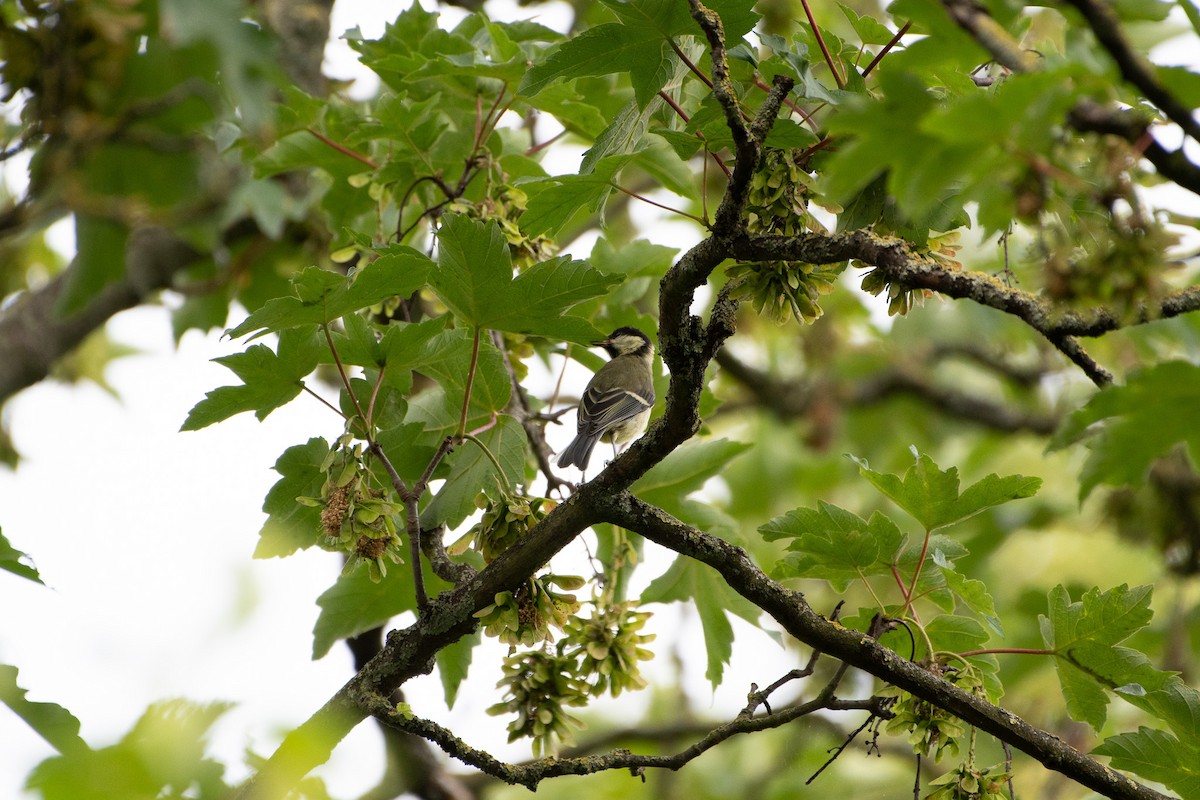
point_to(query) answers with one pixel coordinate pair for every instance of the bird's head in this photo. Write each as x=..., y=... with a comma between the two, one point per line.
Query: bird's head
x=626, y=341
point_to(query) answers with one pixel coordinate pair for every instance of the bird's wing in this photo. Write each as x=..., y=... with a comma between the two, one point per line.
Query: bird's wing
x=602, y=408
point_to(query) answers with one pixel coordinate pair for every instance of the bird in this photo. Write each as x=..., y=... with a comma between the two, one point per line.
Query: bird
x=616, y=404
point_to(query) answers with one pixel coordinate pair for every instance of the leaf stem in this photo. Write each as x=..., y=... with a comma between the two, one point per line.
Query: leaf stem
x=837, y=76
x=470, y=437
x=462, y=420
x=328, y=404
x=346, y=381
x=912, y=587
x=374, y=396
x=647, y=200
x=341, y=148
x=892, y=43
x=1027, y=651
x=870, y=589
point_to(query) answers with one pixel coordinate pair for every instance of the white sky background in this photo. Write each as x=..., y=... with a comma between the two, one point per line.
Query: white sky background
x=144, y=536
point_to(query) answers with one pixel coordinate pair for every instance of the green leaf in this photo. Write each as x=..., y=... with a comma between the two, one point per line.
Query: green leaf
x=446, y=357
x=323, y=296
x=1104, y=617
x=51, y=721
x=1083, y=635
x=604, y=50
x=834, y=545
x=955, y=634
x=931, y=496
x=639, y=257
x=453, y=662
x=293, y=526
x=554, y=201
x=472, y=472
x=1127, y=427
x=12, y=560
x=1157, y=756
x=270, y=380
x=869, y=29
x=685, y=469
x=474, y=278
x=355, y=604
x=474, y=269
x=164, y=750
x=972, y=592
x=689, y=581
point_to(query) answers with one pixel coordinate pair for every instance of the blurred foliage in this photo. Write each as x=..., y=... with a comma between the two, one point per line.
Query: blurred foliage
x=419, y=250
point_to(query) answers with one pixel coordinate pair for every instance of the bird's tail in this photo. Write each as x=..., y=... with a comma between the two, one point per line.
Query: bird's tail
x=578, y=452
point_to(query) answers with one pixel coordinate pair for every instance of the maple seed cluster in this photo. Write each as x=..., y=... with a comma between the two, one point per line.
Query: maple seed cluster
x=356, y=518
x=525, y=617
x=776, y=204
x=965, y=782
x=539, y=686
x=932, y=731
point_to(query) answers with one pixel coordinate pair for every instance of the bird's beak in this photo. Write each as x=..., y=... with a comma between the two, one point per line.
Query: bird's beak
x=602, y=343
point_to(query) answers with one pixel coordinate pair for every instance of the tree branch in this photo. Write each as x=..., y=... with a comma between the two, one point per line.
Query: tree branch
x=34, y=334
x=789, y=399
x=792, y=611
x=532, y=773
x=1086, y=116
x=1134, y=68
x=906, y=268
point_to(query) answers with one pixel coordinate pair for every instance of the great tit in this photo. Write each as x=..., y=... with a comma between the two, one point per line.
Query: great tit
x=616, y=405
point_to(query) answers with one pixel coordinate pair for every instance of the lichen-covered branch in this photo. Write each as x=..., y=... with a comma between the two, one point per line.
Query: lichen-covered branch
x=903, y=266
x=532, y=773
x=791, y=610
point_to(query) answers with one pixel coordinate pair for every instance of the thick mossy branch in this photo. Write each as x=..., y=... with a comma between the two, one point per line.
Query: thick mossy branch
x=903, y=266
x=790, y=610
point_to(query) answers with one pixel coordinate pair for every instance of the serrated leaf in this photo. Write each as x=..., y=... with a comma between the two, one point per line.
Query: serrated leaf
x=554, y=201
x=972, y=592
x=13, y=560
x=472, y=472
x=269, y=379
x=603, y=50
x=931, y=495
x=51, y=721
x=1158, y=756
x=446, y=357
x=689, y=581
x=955, y=634
x=1105, y=617
x=833, y=544
x=1083, y=635
x=869, y=29
x=290, y=525
x=355, y=604
x=1128, y=427
x=323, y=296
x=453, y=663
x=474, y=278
